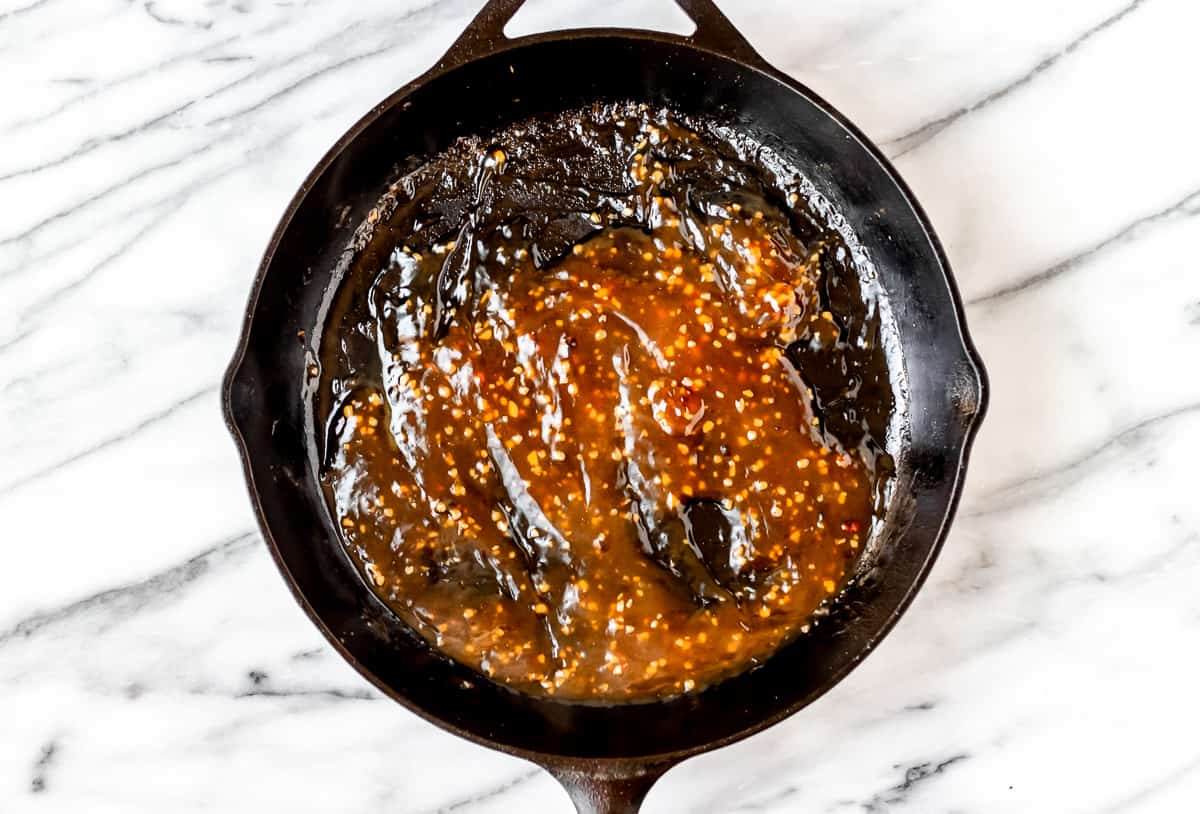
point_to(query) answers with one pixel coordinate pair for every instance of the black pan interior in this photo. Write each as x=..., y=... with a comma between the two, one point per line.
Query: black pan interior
x=267, y=404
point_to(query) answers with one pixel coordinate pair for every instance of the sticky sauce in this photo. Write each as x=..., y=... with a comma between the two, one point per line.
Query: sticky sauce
x=573, y=434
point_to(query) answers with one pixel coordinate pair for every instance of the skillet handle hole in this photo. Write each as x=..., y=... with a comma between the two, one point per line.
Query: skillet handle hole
x=698, y=22
x=538, y=16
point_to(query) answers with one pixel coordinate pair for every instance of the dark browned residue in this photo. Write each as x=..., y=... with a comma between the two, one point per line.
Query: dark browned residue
x=606, y=405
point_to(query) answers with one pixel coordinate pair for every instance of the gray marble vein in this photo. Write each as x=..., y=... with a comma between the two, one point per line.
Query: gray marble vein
x=921, y=135
x=119, y=602
x=40, y=308
x=17, y=12
x=1186, y=207
x=30, y=477
x=1137, y=801
x=96, y=142
x=97, y=88
x=96, y=197
x=1049, y=482
x=42, y=766
x=915, y=776
x=486, y=795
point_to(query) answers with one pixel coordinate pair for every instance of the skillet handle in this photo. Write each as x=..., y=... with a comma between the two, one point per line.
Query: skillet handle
x=714, y=32
x=597, y=789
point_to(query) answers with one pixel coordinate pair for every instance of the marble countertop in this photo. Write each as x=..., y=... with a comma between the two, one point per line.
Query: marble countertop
x=151, y=658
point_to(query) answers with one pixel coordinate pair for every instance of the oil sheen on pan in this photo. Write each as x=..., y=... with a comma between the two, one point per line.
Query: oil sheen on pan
x=606, y=402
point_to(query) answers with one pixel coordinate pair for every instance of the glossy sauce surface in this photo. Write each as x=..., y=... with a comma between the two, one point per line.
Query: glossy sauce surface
x=611, y=449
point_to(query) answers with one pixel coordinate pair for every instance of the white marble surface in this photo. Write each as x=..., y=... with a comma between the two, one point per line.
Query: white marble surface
x=151, y=658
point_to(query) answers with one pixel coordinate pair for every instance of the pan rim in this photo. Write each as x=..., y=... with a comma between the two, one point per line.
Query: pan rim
x=969, y=430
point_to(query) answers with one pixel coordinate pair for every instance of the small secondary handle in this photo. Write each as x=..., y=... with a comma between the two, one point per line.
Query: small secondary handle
x=714, y=32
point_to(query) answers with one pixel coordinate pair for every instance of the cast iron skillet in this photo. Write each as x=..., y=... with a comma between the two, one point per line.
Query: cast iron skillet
x=606, y=757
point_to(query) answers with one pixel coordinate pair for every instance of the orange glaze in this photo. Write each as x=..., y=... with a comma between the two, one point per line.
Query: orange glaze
x=604, y=481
